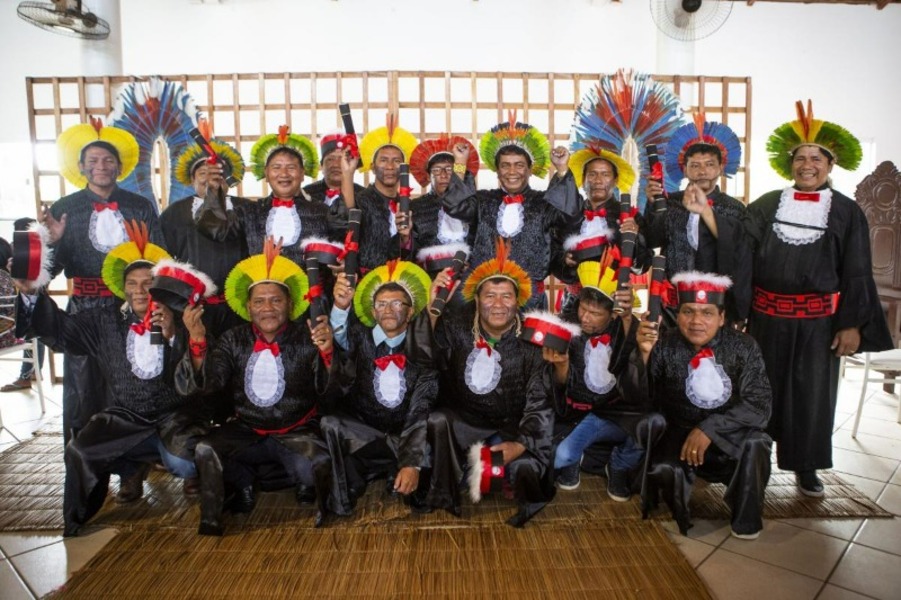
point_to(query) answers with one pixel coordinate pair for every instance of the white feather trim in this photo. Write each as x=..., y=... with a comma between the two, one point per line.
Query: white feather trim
x=209, y=287
x=315, y=240
x=574, y=240
x=476, y=467
x=713, y=279
x=448, y=250
x=44, y=276
x=543, y=315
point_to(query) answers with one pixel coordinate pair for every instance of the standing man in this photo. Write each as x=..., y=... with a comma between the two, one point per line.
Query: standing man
x=526, y=218
x=501, y=390
x=702, y=228
x=83, y=228
x=710, y=384
x=388, y=385
x=814, y=295
x=327, y=190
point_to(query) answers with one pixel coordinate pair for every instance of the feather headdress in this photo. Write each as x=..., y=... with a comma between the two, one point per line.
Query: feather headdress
x=835, y=139
x=268, y=267
x=409, y=276
x=579, y=160
x=625, y=112
x=136, y=252
x=499, y=266
x=70, y=143
x=600, y=275
x=187, y=162
x=389, y=135
x=521, y=135
x=426, y=152
x=700, y=131
x=297, y=144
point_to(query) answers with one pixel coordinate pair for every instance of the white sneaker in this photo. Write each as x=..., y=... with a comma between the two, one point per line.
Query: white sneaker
x=746, y=536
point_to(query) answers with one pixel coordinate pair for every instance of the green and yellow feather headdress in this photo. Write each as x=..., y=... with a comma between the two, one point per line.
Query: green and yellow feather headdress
x=136, y=252
x=269, y=143
x=409, y=276
x=184, y=169
x=834, y=139
x=389, y=135
x=521, y=135
x=268, y=267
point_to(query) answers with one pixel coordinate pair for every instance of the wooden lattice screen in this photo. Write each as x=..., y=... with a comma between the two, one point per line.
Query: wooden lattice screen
x=242, y=107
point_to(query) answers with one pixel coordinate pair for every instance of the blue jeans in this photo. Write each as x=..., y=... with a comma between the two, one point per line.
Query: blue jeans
x=626, y=454
x=176, y=465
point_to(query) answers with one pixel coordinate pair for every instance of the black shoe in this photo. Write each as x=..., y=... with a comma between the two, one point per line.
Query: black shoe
x=569, y=478
x=71, y=530
x=132, y=488
x=305, y=494
x=619, y=487
x=243, y=501
x=210, y=528
x=389, y=486
x=809, y=484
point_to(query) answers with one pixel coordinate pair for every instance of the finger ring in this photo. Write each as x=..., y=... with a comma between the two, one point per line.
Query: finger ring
x=694, y=451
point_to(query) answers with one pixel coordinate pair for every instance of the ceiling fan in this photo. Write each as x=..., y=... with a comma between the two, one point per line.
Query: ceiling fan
x=65, y=17
x=690, y=20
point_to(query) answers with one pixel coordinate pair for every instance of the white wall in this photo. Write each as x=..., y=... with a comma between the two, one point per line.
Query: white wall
x=841, y=56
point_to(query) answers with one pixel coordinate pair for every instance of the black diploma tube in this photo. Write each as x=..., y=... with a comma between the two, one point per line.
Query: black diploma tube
x=440, y=301
x=316, y=309
x=201, y=141
x=156, y=332
x=655, y=303
x=344, y=109
x=625, y=207
x=656, y=167
x=403, y=193
x=351, y=245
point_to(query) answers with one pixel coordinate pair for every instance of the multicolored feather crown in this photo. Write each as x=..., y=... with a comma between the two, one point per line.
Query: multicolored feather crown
x=127, y=255
x=807, y=131
x=187, y=162
x=701, y=131
x=426, y=152
x=271, y=142
x=70, y=143
x=625, y=112
x=268, y=267
x=521, y=135
x=389, y=135
x=407, y=275
x=499, y=266
x=579, y=160
x=600, y=275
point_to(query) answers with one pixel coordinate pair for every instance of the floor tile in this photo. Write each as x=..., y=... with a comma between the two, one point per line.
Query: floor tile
x=862, y=465
x=709, y=532
x=882, y=534
x=841, y=528
x=896, y=478
x=890, y=499
x=870, y=572
x=693, y=550
x=13, y=588
x=832, y=592
x=45, y=569
x=889, y=429
x=866, y=443
x=731, y=576
x=799, y=550
x=870, y=488
x=19, y=542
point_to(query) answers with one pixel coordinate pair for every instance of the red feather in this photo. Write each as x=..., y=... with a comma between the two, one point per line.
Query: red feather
x=283, y=132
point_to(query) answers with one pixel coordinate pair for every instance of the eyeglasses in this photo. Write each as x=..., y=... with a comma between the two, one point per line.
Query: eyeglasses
x=381, y=305
x=435, y=171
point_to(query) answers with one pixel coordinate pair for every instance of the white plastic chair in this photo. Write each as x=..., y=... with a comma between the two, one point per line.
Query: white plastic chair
x=890, y=360
x=15, y=353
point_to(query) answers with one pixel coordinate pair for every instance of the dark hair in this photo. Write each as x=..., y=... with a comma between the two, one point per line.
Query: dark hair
x=512, y=149
x=704, y=148
x=282, y=150
x=612, y=166
x=6, y=252
x=439, y=157
x=825, y=152
x=376, y=155
x=100, y=144
x=23, y=224
x=593, y=296
x=392, y=286
x=495, y=280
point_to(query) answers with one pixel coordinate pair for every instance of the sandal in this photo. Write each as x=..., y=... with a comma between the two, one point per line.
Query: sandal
x=17, y=385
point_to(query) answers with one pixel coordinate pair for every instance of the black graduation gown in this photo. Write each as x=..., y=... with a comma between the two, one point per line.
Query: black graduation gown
x=144, y=401
x=337, y=208
x=428, y=216
x=377, y=245
x=76, y=255
x=289, y=416
x=559, y=208
x=360, y=417
x=518, y=409
x=802, y=368
x=216, y=258
x=726, y=254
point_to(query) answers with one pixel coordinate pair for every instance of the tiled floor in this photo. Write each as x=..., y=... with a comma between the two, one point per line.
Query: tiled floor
x=797, y=559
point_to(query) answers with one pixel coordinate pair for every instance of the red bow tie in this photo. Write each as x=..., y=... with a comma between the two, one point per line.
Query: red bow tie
x=392, y=206
x=808, y=196
x=594, y=214
x=144, y=325
x=261, y=344
x=398, y=359
x=100, y=206
x=704, y=353
x=517, y=199
x=481, y=343
x=604, y=338
x=281, y=202
x=332, y=193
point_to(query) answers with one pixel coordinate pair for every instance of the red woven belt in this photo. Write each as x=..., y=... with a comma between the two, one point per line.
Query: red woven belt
x=89, y=286
x=795, y=306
